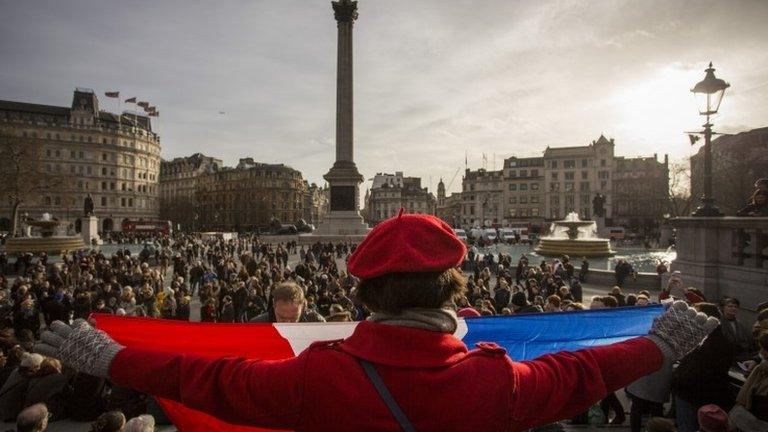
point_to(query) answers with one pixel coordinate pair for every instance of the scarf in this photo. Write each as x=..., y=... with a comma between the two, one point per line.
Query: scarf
x=438, y=320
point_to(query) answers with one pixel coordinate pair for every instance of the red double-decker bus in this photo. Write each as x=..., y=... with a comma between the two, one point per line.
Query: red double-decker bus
x=148, y=226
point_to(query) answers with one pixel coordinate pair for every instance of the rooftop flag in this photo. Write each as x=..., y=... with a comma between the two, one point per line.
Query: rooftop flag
x=112, y=94
x=131, y=100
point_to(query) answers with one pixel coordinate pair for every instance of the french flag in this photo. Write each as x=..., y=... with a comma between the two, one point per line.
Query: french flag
x=524, y=337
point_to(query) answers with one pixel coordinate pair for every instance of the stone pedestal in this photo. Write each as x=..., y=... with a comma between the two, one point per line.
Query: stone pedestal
x=90, y=230
x=724, y=256
x=600, y=222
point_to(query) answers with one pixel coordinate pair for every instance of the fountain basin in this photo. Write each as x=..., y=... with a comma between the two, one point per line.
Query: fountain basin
x=574, y=247
x=50, y=245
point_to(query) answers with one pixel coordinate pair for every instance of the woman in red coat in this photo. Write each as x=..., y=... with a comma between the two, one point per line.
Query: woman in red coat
x=400, y=370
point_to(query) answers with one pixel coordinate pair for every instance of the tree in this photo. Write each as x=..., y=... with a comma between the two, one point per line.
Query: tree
x=22, y=172
x=680, y=199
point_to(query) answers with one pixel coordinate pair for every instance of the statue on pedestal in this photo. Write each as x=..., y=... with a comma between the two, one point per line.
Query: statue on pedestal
x=598, y=205
x=88, y=206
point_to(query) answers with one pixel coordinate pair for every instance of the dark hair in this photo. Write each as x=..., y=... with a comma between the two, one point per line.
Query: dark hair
x=288, y=292
x=710, y=309
x=391, y=293
x=631, y=299
x=111, y=421
x=610, y=301
x=725, y=300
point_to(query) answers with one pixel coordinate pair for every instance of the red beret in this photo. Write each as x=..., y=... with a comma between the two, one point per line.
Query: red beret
x=408, y=243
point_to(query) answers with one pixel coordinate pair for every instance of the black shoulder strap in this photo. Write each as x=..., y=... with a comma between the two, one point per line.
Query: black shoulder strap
x=386, y=396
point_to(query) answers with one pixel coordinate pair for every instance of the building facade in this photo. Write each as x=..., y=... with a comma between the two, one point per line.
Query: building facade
x=523, y=191
x=391, y=192
x=178, y=188
x=640, y=191
x=114, y=158
x=316, y=202
x=247, y=197
x=574, y=175
x=481, y=198
x=737, y=162
x=531, y=191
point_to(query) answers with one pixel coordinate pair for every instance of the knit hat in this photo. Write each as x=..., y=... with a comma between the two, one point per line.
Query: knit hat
x=712, y=418
x=408, y=243
x=31, y=360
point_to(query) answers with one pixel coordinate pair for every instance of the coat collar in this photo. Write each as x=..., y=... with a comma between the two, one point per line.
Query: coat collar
x=402, y=346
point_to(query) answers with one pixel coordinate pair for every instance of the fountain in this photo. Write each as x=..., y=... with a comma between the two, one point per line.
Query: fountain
x=51, y=239
x=575, y=237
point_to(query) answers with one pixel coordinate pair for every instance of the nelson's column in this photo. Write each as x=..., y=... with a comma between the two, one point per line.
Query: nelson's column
x=344, y=217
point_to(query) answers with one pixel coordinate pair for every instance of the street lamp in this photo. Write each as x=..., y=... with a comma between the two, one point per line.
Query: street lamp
x=709, y=93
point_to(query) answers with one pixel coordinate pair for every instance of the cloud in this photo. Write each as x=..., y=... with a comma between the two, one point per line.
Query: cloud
x=433, y=79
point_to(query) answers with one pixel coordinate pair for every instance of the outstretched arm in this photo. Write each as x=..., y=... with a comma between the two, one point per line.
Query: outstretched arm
x=563, y=385
x=236, y=390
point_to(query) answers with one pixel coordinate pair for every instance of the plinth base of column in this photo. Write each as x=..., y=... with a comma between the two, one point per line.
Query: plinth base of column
x=342, y=223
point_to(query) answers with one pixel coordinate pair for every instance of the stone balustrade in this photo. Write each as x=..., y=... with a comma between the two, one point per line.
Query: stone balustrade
x=725, y=256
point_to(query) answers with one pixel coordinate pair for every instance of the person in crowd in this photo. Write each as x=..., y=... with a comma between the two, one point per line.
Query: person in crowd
x=584, y=271
x=33, y=418
x=408, y=274
x=734, y=331
x=142, y=423
x=47, y=386
x=712, y=418
x=702, y=377
x=288, y=305
x=13, y=391
x=757, y=205
x=110, y=421
x=751, y=410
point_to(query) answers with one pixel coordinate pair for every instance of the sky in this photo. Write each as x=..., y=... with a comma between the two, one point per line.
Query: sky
x=435, y=80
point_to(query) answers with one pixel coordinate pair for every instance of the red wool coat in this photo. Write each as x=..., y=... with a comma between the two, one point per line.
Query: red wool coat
x=437, y=382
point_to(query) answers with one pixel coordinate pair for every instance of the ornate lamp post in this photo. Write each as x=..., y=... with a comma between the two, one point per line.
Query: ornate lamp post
x=709, y=93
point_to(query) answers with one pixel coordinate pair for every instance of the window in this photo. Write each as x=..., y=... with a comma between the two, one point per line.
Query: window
x=523, y=200
x=534, y=212
x=584, y=175
x=603, y=174
x=584, y=163
x=513, y=212
x=569, y=175
x=534, y=186
x=523, y=173
x=513, y=200
x=103, y=171
x=584, y=186
x=103, y=201
x=568, y=186
x=48, y=152
x=512, y=186
x=122, y=202
x=534, y=173
x=534, y=199
x=56, y=200
x=104, y=155
x=524, y=186
x=602, y=162
x=569, y=164
x=88, y=170
x=554, y=176
x=553, y=164
x=72, y=154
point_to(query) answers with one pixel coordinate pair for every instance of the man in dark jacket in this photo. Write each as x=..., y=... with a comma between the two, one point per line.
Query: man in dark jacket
x=702, y=376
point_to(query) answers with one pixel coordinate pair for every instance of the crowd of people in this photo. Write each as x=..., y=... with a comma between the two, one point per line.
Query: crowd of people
x=246, y=280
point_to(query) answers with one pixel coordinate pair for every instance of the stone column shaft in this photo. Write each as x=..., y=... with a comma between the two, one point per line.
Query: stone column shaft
x=344, y=125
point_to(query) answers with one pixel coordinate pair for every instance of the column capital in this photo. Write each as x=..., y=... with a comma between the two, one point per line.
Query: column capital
x=344, y=11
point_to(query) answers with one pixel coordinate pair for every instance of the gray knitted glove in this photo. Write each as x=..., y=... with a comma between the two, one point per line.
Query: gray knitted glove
x=680, y=329
x=81, y=347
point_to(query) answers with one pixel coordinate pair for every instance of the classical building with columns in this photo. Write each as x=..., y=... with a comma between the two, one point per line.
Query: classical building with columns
x=114, y=158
